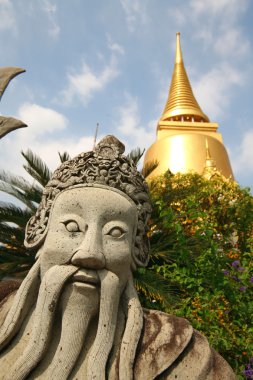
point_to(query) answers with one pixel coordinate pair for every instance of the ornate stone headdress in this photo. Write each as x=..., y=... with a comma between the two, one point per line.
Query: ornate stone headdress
x=106, y=166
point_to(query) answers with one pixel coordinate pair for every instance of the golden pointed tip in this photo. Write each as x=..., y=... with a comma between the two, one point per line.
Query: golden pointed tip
x=179, y=57
x=181, y=103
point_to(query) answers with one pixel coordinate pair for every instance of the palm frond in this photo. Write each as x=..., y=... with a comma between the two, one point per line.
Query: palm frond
x=36, y=167
x=149, y=167
x=154, y=286
x=11, y=257
x=14, y=269
x=33, y=192
x=135, y=155
x=20, y=195
x=165, y=256
x=11, y=235
x=64, y=156
x=14, y=258
x=10, y=213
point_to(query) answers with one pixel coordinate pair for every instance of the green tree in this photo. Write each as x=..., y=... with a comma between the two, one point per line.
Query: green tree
x=205, y=230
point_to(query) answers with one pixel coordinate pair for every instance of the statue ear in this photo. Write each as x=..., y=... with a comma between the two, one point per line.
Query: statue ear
x=35, y=232
x=141, y=251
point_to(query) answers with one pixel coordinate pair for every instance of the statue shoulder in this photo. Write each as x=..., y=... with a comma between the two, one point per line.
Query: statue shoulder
x=171, y=349
x=163, y=339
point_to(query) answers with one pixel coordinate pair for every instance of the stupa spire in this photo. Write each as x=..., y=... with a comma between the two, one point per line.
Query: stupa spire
x=181, y=104
x=186, y=141
x=179, y=56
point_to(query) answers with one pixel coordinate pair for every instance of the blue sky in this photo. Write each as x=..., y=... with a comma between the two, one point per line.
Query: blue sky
x=111, y=62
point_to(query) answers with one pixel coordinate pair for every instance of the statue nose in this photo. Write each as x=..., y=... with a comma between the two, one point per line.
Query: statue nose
x=89, y=254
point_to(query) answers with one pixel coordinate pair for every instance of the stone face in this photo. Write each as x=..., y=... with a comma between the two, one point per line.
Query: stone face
x=92, y=229
x=77, y=314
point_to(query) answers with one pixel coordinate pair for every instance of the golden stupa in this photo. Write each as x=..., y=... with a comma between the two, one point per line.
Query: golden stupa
x=184, y=131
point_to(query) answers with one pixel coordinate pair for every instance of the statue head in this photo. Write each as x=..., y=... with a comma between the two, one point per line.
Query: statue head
x=91, y=232
x=105, y=167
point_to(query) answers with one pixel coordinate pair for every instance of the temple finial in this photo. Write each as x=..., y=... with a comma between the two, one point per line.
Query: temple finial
x=210, y=168
x=208, y=155
x=179, y=57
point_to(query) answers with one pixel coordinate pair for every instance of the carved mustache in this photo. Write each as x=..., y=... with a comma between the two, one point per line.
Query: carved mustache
x=87, y=276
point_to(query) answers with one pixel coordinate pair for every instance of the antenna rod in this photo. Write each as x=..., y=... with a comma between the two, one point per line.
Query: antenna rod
x=95, y=137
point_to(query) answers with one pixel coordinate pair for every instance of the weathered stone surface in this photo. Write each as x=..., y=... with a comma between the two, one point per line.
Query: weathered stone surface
x=77, y=314
x=8, y=124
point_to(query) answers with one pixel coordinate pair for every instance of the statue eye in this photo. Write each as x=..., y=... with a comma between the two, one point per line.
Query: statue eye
x=72, y=226
x=116, y=232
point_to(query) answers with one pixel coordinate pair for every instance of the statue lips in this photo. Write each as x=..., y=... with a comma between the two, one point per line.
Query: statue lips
x=86, y=277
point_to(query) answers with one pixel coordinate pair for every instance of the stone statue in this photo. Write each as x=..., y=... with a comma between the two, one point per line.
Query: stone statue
x=8, y=124
x=77, y=314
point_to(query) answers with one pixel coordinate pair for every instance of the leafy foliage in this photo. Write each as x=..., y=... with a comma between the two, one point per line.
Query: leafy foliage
x=36, y=167
x=14, y=259
x=149, y=167
x=154, y=289
x=135, y=155
x=205, y=231
x=64, y=156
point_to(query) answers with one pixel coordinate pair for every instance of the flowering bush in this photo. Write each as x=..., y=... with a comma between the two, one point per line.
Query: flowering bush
x=248, y=371
x=202, y=243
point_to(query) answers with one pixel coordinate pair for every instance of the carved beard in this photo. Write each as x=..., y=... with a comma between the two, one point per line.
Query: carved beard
x=78, y=306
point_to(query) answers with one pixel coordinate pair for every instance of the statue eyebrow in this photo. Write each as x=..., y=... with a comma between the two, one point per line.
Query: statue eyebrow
x=69, y=216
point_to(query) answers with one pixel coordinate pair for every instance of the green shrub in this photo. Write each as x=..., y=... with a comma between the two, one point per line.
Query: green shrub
x=201, y=239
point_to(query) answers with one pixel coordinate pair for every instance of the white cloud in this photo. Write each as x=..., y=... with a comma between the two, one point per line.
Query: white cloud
x=82, y=85
x=242, y=159
x=51, y=11
x=129, y=124
x=228, y=9
x=49, y=151
x=178, y=15
x=113, y=46
x=232, y=43
x=43, y=136
x=219, y=26
x=213, y=90
x=7, y=16
x=41, y=120
x=135, y=13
